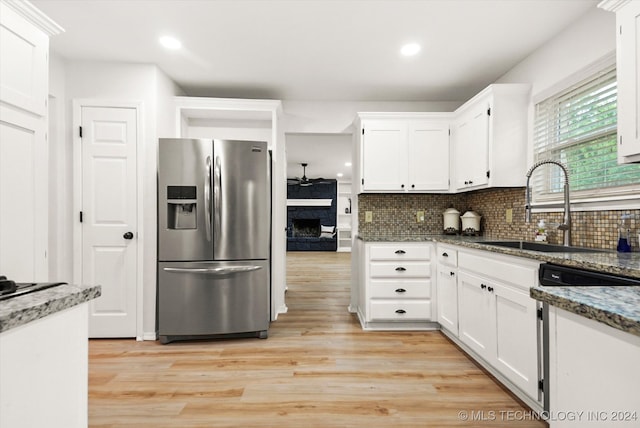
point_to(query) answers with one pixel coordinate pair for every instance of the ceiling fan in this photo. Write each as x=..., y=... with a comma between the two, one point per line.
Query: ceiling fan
x=304, y=181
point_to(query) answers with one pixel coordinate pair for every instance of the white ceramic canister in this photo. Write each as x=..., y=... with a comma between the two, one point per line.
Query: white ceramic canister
x=451, y=220
x=471, y=221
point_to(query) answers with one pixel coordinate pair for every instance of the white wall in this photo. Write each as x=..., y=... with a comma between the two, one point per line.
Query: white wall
x=562, y=60
x=337, y=116
x=587, y=40
x=118, y=82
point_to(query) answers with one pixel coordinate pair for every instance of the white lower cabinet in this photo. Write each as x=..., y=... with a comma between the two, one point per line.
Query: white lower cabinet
x=594, y=375
x=491, y=315
x=447, y=287
x=397, y=292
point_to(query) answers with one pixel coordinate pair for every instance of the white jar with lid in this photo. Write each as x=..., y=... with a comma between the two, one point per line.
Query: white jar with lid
x=451, y=221
x=471, y=222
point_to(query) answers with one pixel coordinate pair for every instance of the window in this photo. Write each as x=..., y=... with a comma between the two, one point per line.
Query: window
x=578, y=128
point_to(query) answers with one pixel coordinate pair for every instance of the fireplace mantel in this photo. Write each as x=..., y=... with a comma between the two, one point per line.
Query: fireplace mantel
x=309, y=202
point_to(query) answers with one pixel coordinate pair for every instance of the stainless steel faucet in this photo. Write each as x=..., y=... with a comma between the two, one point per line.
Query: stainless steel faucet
x=566, y=225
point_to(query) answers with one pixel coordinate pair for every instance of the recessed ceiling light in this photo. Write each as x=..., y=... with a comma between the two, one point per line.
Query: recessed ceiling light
x=339, y=174
x=170, y=42
x=410, y=49
x=347, y=164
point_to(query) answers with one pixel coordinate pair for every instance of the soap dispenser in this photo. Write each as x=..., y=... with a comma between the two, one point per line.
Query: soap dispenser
x=623, y=234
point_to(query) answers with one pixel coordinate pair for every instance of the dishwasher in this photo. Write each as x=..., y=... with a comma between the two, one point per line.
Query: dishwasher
x=550, y=275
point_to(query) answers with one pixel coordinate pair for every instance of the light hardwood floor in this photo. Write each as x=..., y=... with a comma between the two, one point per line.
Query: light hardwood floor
x=316, y=369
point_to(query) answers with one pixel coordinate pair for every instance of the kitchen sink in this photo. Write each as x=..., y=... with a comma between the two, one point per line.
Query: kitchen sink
x=542, y=247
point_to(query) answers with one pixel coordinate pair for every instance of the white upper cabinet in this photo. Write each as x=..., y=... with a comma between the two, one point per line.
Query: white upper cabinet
x=24, y=78
x=24, y=71
x=628, y=71
x=489, y=138
x=402, y=152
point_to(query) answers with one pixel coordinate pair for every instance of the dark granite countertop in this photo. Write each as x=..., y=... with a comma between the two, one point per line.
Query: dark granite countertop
x=618, y=307
x=30, y=307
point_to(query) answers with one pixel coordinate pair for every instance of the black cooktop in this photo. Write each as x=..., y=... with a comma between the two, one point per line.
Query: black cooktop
x=10, y=289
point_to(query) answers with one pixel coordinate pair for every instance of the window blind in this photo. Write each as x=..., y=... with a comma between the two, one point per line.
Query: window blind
x=578, y=128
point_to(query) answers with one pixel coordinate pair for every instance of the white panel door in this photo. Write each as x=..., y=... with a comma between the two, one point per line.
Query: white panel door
x=428, y=156
x=384, y=156
x=109, y=218
x=23, y=196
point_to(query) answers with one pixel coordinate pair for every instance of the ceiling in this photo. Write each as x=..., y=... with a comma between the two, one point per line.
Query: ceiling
x=316, y=50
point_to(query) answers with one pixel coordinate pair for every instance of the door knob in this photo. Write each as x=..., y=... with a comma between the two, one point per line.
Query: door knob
x=128, y=235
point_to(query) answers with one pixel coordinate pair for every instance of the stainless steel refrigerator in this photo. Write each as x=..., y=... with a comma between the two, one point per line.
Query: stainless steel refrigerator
x=214, y=223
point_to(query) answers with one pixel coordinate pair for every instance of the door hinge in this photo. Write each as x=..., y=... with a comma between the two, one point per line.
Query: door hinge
x=541, y=385
x=540, y=316
x=488, y=174
x=81, y=132
x=363, y=181
x=489, y=111
x=621, y=140
x=80, y=216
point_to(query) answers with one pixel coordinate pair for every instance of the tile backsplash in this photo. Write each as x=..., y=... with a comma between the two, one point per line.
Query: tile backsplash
x=395, y=215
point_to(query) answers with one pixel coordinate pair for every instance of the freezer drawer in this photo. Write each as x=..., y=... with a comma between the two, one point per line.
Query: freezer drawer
x=212, y=298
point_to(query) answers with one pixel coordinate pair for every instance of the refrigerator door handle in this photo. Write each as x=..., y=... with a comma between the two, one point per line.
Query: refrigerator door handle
x=207, y=197
x=215, y=271
x=217, y=197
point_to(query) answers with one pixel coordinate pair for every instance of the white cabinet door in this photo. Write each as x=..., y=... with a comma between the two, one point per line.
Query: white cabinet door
x=447, y=300
x=384, y=156
x=23, y=196
x=475, y=318
x=516, y=351
x=628, y=70
x=24, y=68
x=471, y=136
x=428, y=156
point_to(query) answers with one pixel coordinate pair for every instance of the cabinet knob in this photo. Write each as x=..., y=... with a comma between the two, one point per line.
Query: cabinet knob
x=470, y=182
x=400, y=290
x=413, y=186
x=401, y=252
x=490, y=289
x=128, y=235
x=452, y=273
x=400, y=311
x=400, y=269
x=445, y=255
x=483, y=286
x=466, y=182
x=402, y=186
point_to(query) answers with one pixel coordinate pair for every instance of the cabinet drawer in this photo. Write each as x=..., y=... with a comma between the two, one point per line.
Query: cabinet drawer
x=420, y=289
x=401, y=310
x=447, y=256
x=523, y=276
x=399, y=252
x=400, y=270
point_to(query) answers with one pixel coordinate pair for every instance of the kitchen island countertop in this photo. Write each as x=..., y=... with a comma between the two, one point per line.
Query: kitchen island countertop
x=23, y=309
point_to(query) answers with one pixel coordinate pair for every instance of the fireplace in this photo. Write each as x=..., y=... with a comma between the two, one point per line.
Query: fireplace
x=306, y=228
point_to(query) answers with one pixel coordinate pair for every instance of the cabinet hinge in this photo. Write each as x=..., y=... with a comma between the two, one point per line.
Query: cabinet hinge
x=362, y=131
x=541, y=385
x=449, y=131
x=540, y=316
x=621, y=30
x=488, y=174
x=80, y=216
x=363, y=181
x=621, y=140
x=489, y=111
x=81, y=132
